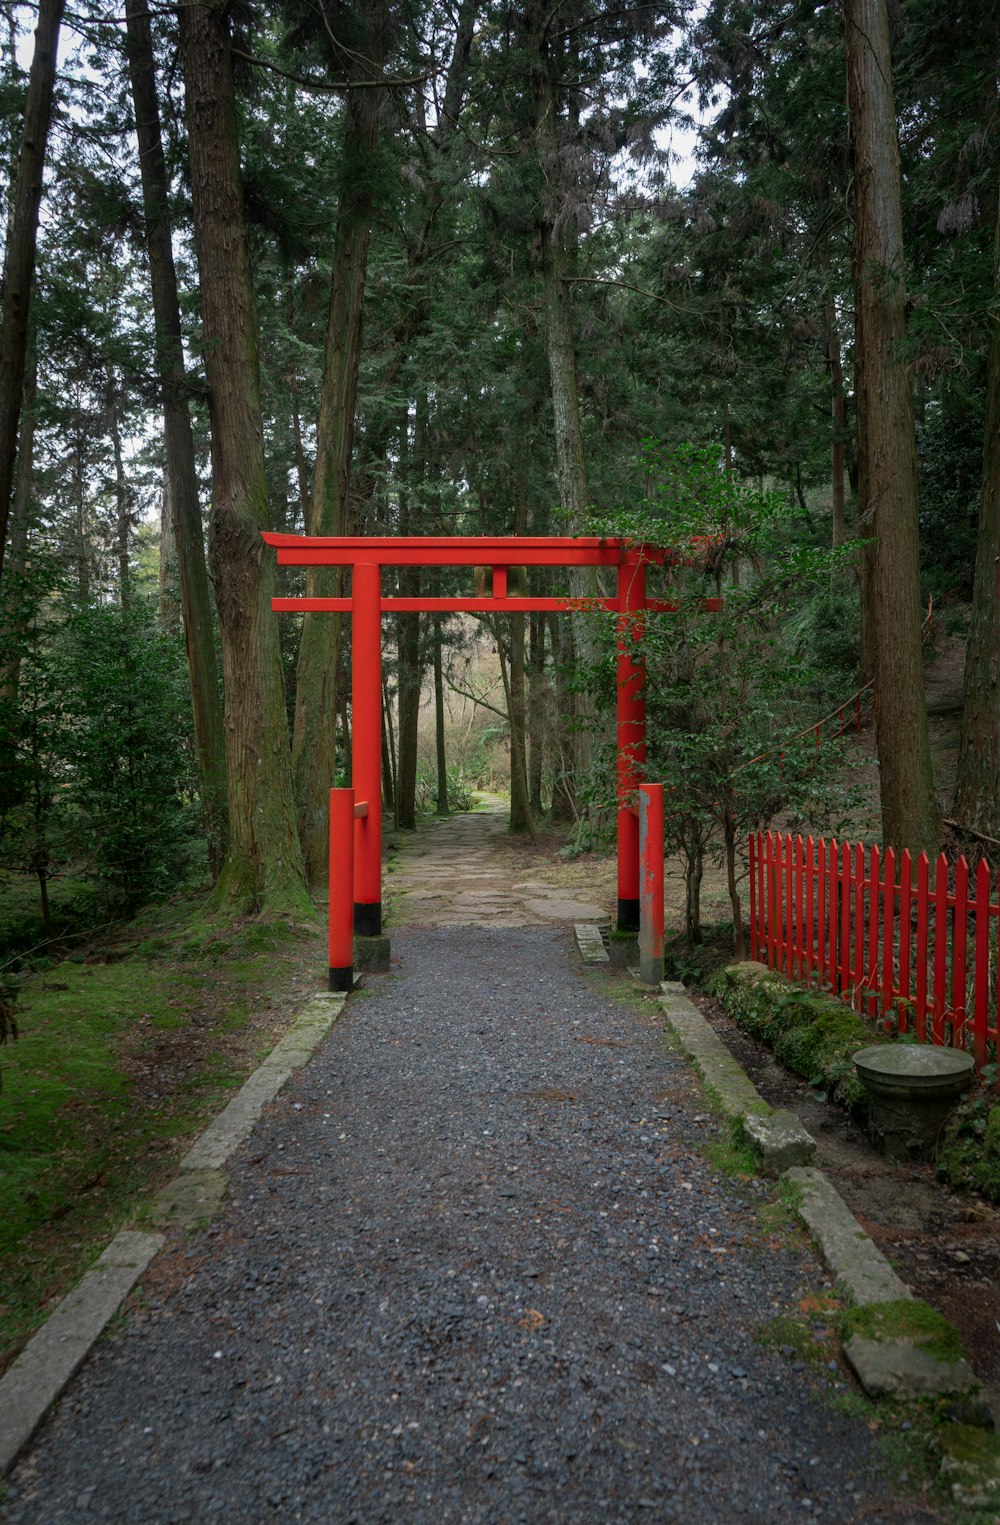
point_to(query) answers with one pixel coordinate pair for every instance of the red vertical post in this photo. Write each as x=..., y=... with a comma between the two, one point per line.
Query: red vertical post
x=889, y=986
x=940, y=949
x=753, y=895
x=905, y=938
x=341, y=932
x=959, y=936
x=871, y=971
x=980, y=1015
x=923, y=907
x=651, y=894
x=810, y=925
x=631, y=739
x=366, y=745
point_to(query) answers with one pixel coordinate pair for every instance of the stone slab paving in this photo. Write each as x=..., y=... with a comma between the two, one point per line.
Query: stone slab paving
x=455, y=872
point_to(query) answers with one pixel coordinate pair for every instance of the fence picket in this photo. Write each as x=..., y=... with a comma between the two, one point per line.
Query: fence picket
x=923, y=910
x=905, y=938
x=789, y=911
x=940, y=949
x=871, y=972
x=858, y=971
x=888, y=922
x=982, y=996
x=753, y=897
x=843, y=915
x=959, y=931
x=845, y=918
x=810, y=907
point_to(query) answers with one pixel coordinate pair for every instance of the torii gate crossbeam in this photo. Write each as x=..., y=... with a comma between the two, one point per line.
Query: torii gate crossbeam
x=367, y=555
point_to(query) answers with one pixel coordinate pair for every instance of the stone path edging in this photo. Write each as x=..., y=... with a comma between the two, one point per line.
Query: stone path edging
x=884, y=1367
x=776, y=1137
x=56, y=1351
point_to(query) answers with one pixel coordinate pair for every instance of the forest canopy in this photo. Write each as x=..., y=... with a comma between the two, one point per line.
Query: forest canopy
x=410, y=267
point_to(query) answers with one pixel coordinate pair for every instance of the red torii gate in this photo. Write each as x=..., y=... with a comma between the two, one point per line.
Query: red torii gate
x=367, y=555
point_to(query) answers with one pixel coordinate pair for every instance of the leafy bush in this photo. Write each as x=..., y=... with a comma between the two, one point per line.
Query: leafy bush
x=129, y=764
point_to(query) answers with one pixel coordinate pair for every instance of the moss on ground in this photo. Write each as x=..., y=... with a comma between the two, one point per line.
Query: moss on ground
x=126, y=1050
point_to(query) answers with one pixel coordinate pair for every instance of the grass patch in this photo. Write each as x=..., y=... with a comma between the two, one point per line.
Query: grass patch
x=126, y=1050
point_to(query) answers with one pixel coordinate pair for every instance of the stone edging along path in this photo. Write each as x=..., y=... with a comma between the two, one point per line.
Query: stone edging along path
x=885, y=1365
x=55, y=1353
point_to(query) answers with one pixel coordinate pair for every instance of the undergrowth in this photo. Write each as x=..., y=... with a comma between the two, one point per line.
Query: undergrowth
x=125, y=1050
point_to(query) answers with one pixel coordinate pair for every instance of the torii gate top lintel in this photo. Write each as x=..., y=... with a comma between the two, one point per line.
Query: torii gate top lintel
x=367, y=555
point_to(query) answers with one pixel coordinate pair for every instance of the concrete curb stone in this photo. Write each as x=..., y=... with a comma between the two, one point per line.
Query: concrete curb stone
x=56, y=1352
x=896, y=1367
x=777, y=1138
x=590, y=943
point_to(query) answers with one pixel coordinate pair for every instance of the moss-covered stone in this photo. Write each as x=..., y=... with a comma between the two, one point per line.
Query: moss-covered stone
x=906, y=1319
x=813, y=1034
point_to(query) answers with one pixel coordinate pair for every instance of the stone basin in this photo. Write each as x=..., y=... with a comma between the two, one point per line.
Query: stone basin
x=912, y=1090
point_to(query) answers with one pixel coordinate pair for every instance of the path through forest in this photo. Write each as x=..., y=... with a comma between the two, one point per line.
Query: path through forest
x=474, y=1265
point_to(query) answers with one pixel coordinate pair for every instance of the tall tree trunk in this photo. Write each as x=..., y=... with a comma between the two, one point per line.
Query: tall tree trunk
x=168, y=609
x=19, y=256
x=887, y=447
x=389, y=791
x=13, y=609
x=313, y=743
x=520, y=802
x=439, y=746
x=838, y=421
x=263, y=867
x=536, y=716
x=123, y=496
x=178, y=441
x=977, y=793
x=563, y=792
x=571, y=466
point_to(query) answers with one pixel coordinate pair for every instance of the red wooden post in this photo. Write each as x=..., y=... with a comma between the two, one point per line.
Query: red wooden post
x=789, y=910
x=940, y=949
x=651, y=897
x=821, y=912
x=832, y=912
x=797, y=861
x=871, y=966
x=905, y=937
x=810, y=964
x=631, y=739
x=923, y=906
x=366, y=705
x=888, y=923
x=754, y=840
x=845, y=918
x=958, y=952
x=981, y=1008
x=858, y=972
x=341, y=924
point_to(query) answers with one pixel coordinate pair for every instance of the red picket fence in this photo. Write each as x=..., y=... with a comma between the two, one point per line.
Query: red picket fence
x=912, y=956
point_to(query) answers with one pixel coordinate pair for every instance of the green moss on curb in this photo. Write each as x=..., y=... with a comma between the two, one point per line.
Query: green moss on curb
x=906, y=1319
x=812, y=1034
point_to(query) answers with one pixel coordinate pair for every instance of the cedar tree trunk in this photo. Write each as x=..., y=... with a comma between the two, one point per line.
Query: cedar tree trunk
x=263, y=866
x=977, y=793
x=886, y=444
x=181, y=492
x=19, y=256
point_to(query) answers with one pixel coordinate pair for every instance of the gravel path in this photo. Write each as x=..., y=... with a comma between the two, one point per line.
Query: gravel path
x=472, y=1267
